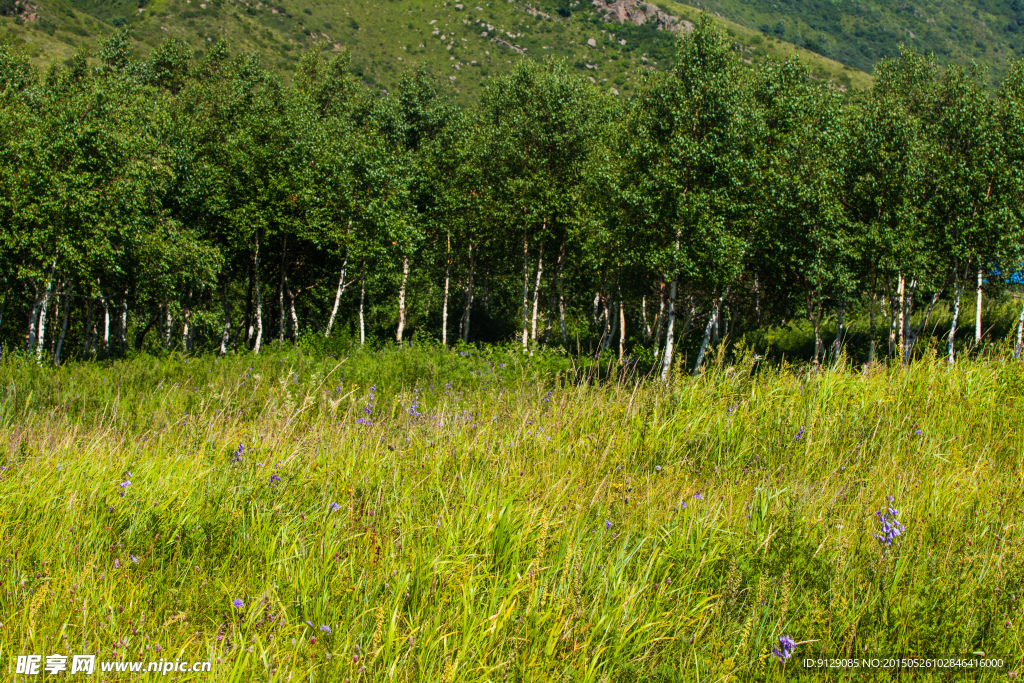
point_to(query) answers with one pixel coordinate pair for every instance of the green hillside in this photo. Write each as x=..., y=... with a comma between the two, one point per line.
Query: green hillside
x=467, y=43
x=858, y=33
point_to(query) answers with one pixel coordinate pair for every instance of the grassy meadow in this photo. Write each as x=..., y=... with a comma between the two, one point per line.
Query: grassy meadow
x=478, y=515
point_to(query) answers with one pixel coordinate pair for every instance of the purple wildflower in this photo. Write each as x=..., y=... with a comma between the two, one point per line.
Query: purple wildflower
x=308, y=623
x=238, y=603
x=785, y=649
x=800, y=434
x=274, y=478
x=335, y=507
x=117, y=564
x=607, y=524
x=238, y=453
x=326, y=629
x=134, y=559
x=698, y=496
x=891, y=528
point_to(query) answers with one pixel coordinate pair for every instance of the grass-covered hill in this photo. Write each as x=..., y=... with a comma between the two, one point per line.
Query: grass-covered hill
x=467, y=43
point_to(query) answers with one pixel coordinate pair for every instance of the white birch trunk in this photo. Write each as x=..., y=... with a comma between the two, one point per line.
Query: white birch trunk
x=362, y=301
x=337, y=299
x=952, y=327
x=977, y=312
x=226, y=334
x=187, y=315
x=123, y=332
x=106, y=327
x=837, y=344
x=291, y=308
x=401, y=301
x=622, y=329
x=467, y=308
x=536, y=296
x=526, y=291
x=666, y=362
x=1020, y=332
x=33, y=322
x=168, y=327
x=561, y=296
x=41, y=333
x=902, y=294
x=444, y=306
x=259, y=300
x=707, y=334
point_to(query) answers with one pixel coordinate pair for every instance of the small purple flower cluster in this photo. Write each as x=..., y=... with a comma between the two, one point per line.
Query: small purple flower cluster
x=785, y=649
x=238, y=453
x=125, y=484
x=800, y=434
x=891, y=526
x=414, y=407
x=368, y=408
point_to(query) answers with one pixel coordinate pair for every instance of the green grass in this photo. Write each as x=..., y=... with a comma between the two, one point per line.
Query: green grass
x=507, y=518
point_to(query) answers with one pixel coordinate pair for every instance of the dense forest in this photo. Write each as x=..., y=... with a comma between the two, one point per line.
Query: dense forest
x=197, y=203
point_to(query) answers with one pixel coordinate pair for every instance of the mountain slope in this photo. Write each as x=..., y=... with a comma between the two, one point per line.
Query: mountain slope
x=858, y=33
x=466, y=43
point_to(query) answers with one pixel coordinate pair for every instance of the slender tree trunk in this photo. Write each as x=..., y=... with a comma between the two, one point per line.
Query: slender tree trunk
x=225, y=336
x=362, y=302
x=247, y=324
x=889, y=302
x=666, y=362
x=716, y=327
x=609, y=328
x=536, y=296
x=707, y=332
x=1020, y=331
x=977, y=312
x=280, y=295
x=597, y=307
x=337, y=298
x=33, y=321
x=187, y=315
x=467, y=307
x=106, y=327
x=645, y=327
x=622, y=328
x=561, y=295
x=401, y=300
x=901, y=292
x=122, y=333
x=257, y=290
x=444, y=305
x=757, y=299
x=168, y=325
x=41, y=334
x=951, y=346
x=291, y=308
x=526, y=290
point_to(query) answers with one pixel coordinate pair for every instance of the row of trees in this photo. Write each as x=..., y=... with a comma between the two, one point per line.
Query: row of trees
x=201, y=203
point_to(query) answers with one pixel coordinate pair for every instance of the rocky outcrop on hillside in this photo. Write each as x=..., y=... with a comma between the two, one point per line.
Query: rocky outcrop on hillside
x=640, y=13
